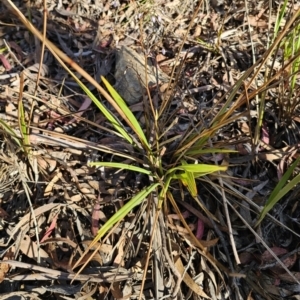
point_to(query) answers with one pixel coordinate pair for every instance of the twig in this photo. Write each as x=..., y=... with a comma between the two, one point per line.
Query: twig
x=264, y=244
x=282, y=258
x=225, y=201
x=168, y=258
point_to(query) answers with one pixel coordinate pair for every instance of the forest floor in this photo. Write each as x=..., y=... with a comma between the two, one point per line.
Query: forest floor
x=194, y=188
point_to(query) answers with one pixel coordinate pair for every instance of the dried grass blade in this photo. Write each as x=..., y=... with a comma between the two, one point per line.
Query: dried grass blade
x=200, y=151
x=188, y=280
x=217, y=265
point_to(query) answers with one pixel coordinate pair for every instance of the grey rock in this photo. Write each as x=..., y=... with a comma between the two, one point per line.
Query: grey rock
x=130, y=75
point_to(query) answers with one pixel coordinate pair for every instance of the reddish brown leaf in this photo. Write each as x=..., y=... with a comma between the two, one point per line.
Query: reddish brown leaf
x=5, y=62
x=200, y=229
x=267, y=256
x=265, y=134
x=50, y=230
x=17, y=48
x=95, y=219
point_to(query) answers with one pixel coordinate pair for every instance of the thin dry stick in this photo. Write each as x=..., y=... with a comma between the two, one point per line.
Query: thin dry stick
x=165, y=102
x=148, y=254
x=225, y=201
x=236, y=256
x=203, y=250
x=264, y=244
x=27, y=191
x=168, y=258
x=143, y=230
x=43, y=47
x=157, y=263
x=47, y=274
x=40, y=65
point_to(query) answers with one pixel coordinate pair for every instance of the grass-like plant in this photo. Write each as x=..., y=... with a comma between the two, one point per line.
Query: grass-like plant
x=155, y=167
x=290, y=47
x=281, y=189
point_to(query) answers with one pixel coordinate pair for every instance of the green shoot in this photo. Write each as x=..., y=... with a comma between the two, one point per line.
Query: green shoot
x=280, y=190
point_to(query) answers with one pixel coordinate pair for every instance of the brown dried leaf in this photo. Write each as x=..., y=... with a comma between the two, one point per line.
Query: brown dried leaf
x=17, y=48
x=2, y=275
x=160, y=57
x=29, y=248
x=95, y=219
x=268, y=257
x=76, y=198
x=119, y=261
x=116, y=291
x=200, y=229
x=189, y=280
x=288, y=262
x=4, y=267
x=286, y=277
x=84, y=106
x=50, y=185
x=47, y=164
x=3, y=213
x=49, y=230
x=94, y=184
x=255, y=21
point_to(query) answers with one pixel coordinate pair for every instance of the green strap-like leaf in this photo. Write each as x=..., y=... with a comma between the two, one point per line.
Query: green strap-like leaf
x=280, y=190
x=23, y=127
x=103, y=109
x=188, y=180
x=11, y=132
x=120, y=166
x=129, y=116
x=122, y=212
x=199, y=168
